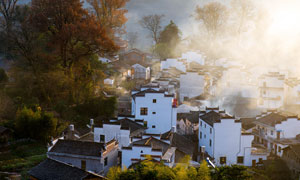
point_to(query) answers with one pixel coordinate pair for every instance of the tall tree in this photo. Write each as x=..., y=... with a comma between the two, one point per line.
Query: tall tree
x=74, y=37
x=169, y=39
x=7, y=10
x=110, y=14
x=243, y=11
x=153, y=24
x=213, y=15
x=7, y=13
x=132, y=38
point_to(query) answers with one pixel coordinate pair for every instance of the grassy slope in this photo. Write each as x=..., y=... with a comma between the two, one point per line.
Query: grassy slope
x=21, y=157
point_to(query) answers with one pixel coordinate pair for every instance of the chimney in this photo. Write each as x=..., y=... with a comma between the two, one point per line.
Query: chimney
x=70, y=133
x=173, y=129
x=92, y=124
x=278, y=135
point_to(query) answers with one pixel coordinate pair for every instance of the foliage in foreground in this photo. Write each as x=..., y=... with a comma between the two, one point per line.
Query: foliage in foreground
x=36, y=124
x=150, y=170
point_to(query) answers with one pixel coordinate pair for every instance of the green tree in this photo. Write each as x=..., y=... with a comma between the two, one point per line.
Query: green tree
x=169, y=39
x=36, y=124
x=203, y=171
x=233, y=172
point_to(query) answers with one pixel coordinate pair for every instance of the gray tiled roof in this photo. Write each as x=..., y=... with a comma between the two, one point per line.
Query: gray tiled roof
x=272, y=119
x=51, y=169
x=83, y=148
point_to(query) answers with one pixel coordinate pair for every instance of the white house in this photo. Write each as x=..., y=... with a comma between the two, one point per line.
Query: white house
x=109, y=81
x=192, y=84
x=140, y=72
x=150, y=146
x=91, y=156
x=121, y=130
x=169, y=147
x=271, y=87
x=224, y=140
x=193, y=57
x=157, y=108
x=104, y=60
x=292, y=91
x=276, y=131
x=178, y=64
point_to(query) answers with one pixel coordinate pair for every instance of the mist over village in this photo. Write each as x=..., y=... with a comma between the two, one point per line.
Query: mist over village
x=149, y=90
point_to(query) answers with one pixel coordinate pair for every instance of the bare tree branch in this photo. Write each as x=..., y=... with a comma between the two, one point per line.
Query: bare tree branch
x=153, y=24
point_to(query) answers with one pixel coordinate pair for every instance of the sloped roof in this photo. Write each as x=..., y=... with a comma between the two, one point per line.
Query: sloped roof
x=154, y=143
x=211, y=117
x=192, y=116
x=247, y=123
x=83, y=148
x=51, y=169
x=142, y=93
x=131, y=125
x=272, y=119
x=181, y=142
x=295, y=148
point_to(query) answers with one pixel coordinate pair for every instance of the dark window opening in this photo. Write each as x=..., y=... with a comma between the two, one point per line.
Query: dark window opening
x=144, y=111
x=154, y=100
x=240, y=159
x=83, y=164
x=222, y=160
x=102, y=138
x=105, y=161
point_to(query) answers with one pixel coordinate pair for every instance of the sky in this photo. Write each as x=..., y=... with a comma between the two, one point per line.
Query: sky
x=180, y=11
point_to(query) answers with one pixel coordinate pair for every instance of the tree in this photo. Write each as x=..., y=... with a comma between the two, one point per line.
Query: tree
x=243, y=11
x=152, y=23
x=203, y=171
x=7, y=10
x=168, y=41
x=3, y=77
x=132, y=38
x=214, y=16
x=7, y=13
x=233, y=172
x=36, y=124
x=110, y=14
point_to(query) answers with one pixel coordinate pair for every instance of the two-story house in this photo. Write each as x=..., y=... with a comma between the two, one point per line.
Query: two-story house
x=224, y=140
x=271, y=89
x=90, y=156
x=157, y=108
x=121, y=130
x=191, y=85
x=276, y=131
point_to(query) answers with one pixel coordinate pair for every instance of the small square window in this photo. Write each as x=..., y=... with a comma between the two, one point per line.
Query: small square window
x=210, y=130
x=210, y=142
x=144, y=111
x=200, y=135
x=222, y=160
x=142, y=151
x=102, y=138
x=105, y=161
x=240, y=159
x=153, y=126
x=154, y=101
x=153, y=112
x=204, y=135
x=83, y=164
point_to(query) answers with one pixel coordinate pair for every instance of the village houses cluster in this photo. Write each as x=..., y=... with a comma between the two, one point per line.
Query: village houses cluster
x=172, y=112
